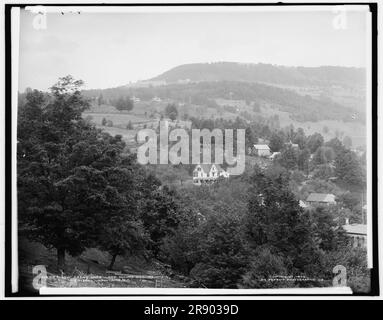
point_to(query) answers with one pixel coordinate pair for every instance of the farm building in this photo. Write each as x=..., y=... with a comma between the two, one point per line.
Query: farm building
x=321, y=198
x=262, y=150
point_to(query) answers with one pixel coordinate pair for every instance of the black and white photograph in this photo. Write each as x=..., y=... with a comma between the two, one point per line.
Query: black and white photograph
x=181, y=149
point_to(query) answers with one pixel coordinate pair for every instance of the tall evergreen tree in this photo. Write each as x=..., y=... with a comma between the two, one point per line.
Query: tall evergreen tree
x=349, y=170
x=276, y=220
x=64, y=192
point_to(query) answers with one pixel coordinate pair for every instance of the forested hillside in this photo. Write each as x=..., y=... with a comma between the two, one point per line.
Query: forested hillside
x=301, y=108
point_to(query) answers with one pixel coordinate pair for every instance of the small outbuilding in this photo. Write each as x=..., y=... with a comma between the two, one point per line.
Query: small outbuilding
x=262, y=150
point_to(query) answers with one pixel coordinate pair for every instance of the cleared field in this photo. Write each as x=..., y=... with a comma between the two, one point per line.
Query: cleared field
x=118, y=119
x=356, y=131
x=140, y=115
x=127, y=135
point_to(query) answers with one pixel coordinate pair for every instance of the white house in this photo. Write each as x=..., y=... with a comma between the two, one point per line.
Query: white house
x=208, y=173
x=262, y=150
x=357, y=232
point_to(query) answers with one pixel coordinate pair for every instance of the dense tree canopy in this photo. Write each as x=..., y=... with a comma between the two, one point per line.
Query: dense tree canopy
x=348, y=169
x=123, y=103
x=277, y=141
x=171, y=111
x=73, y=179
x=314, y=142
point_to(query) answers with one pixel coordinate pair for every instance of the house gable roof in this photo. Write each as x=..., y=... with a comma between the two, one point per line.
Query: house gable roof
x=320, y=197
x=207, y=167
x=261, y=147
x=356, y=228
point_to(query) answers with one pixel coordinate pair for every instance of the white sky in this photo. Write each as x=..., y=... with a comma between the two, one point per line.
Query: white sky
x=112, y=49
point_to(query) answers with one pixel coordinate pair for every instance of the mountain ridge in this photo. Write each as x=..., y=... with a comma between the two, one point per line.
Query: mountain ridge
x=267, y=73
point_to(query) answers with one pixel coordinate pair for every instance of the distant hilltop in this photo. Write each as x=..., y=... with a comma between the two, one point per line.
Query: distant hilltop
x=263, y=73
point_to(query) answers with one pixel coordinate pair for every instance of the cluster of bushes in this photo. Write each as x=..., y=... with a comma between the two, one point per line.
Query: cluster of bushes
x=122, y=103
x=106, y=123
